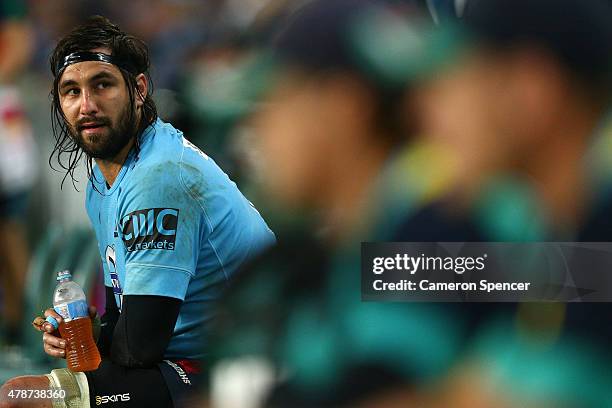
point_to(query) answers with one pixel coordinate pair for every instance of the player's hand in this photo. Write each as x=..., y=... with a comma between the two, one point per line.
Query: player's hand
x=93, y=312
x=53, y=344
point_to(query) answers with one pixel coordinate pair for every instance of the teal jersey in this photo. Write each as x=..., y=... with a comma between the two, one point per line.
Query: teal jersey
x=173, y=224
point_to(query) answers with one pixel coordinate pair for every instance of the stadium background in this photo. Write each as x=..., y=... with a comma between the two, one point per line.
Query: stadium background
x=201, y=53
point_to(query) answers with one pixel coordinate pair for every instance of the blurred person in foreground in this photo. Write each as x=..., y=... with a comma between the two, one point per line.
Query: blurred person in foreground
x=523, y=100
x=519, y=108
x=333, y=134
x=517, y=112
x=18, y=168
x=171, y=227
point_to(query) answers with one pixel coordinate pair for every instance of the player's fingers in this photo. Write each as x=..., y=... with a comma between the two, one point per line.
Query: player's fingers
x=93, y=312
x=50, y=313
x=38, y=323
x=54, y=351
x=53, y=341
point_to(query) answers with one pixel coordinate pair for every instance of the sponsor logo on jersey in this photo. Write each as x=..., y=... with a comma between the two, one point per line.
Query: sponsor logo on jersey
x=105, y=399
x=150, y=228
x=179, y=370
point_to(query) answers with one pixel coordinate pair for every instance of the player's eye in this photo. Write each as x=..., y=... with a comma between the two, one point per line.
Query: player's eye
x=103, y=85
x=72, y=91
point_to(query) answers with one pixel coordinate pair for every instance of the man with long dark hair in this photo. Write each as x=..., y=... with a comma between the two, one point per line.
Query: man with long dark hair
x=171, y=227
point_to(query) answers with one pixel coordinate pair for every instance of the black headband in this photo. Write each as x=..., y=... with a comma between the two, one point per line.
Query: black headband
x=76, y=57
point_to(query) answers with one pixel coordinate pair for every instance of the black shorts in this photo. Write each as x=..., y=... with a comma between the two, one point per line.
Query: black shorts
x=170, y=384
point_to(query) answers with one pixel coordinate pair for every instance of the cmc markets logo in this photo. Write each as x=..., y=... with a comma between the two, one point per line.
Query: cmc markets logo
x=105, y=399
x=150, y=228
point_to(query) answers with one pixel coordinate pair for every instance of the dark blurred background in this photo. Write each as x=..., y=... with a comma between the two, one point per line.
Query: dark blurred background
x=345, y=121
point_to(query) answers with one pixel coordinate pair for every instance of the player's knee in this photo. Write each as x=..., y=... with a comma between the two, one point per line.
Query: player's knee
x=9, y=392
x=5, y=392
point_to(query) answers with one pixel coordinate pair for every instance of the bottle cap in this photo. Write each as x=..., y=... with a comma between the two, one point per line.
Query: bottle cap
x=64, y=275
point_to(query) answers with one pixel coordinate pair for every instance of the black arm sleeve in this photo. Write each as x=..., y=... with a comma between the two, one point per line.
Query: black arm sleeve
x=109, y=320
x=143, y=330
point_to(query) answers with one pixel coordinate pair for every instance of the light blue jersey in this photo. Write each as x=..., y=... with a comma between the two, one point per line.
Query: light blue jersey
x=173, y=224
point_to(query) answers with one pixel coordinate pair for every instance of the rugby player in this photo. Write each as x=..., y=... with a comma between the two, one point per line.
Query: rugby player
x=171, y=227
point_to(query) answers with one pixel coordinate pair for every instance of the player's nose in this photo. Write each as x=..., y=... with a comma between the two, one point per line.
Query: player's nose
x=88, y=104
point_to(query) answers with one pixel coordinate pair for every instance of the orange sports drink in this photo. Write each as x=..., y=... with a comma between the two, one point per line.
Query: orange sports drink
x=76, y=329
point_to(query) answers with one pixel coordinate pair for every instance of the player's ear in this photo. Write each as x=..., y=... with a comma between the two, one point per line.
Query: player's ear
x=142, y=88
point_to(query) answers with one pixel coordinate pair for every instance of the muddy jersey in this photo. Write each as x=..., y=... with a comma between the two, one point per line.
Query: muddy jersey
x=173, y=224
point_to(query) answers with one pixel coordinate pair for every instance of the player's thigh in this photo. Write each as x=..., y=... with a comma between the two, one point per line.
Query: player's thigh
x=112, y=384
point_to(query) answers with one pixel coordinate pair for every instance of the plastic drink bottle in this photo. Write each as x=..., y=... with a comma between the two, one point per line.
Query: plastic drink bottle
x=76, y=329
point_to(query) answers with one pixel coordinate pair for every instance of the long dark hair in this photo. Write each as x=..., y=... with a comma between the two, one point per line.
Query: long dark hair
x=98, y=32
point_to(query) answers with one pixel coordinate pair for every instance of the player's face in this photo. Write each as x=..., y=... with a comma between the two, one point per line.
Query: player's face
x=467, y=109
x=95, y=101
x=295, y=140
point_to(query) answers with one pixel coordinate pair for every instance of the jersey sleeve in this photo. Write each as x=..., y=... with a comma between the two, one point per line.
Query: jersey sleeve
x=161, y=227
